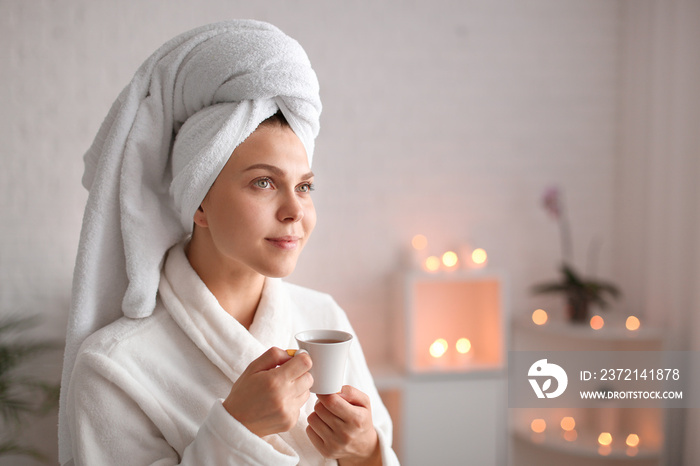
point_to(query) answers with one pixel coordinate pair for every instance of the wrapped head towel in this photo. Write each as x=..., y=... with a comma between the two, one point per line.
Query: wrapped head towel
x=160, y=148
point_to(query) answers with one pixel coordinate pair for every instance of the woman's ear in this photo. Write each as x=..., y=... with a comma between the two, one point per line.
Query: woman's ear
x=200, y=218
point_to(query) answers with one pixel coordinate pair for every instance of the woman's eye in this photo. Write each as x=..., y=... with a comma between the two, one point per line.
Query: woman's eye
x=263, y=183
x=306, y=187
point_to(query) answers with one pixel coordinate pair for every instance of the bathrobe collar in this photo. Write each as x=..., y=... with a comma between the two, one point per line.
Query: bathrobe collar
x=227, y=343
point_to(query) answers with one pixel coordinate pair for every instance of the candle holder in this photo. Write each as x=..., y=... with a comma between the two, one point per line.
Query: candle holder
x=451, y=321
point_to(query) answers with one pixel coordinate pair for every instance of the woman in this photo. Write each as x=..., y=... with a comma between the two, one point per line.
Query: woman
x=175, y=344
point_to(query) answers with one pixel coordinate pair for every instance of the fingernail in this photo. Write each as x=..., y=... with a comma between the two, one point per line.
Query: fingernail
x=302, y=351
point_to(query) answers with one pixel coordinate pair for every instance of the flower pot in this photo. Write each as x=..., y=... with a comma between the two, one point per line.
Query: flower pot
x=577, y=308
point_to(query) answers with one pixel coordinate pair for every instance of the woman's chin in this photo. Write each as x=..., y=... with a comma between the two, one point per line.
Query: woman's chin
x=280, y=271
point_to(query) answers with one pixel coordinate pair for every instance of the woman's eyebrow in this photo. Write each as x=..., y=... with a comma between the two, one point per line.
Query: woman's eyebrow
x=264, y=166
x=275, y=170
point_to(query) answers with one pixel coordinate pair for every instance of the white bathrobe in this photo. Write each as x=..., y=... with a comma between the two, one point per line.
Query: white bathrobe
x=150, y=391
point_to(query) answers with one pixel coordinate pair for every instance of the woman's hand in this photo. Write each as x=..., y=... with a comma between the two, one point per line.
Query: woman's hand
x=341, y=427
x=268, y=395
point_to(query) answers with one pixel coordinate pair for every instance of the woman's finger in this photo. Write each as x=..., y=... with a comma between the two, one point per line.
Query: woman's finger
x=337, y=405
x=331, y=420
x=354, y=396
x=304, y=381
x=296, y=366
x=301, y=388
x=319, y=426
x=270, y=359
x=316, y=440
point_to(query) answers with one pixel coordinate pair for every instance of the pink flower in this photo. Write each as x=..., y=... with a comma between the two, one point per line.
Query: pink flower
x=552, y=202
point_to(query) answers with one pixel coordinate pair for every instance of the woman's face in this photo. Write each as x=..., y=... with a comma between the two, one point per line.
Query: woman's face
x=259, y=212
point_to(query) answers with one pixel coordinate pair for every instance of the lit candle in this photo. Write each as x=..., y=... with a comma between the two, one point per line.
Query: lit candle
x=539, y=317
x=463, y=345
x=632, y=323
x=432, y=264
x=464, y=349
x=604, y=440
x=479, y=257
x=419, y=242
x=568, y=423
x=449, y=259
x=438, y=348
x=538, y=426
x=632, y=440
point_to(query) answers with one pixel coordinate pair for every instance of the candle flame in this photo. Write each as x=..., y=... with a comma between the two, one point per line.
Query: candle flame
x=538, y=425
x=419, y=242
x=464, y=345
x=632, y=323
x=539, y=317
x=605, y=439
x=438, y=348
x=449, y=259
x=568, y=423
x=632, y=440
x=432, y=264
x=479, y=256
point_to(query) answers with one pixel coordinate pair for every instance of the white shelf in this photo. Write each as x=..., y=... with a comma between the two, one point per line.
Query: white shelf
x=559, y=335
x=612, y=331
x=585, y=445
x=389, y=377
x=438, y=399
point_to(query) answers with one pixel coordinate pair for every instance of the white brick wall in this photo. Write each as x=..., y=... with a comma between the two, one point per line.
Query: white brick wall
x=446, y=118
x=450, y=121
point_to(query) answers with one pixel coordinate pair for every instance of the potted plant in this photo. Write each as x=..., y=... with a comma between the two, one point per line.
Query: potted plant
x=580, y=292
x=22, y=394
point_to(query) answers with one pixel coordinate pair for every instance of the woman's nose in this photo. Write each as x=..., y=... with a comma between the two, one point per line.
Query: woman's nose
x=291, y=209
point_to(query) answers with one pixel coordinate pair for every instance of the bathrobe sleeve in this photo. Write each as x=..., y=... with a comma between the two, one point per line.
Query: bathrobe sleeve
x=115, y=417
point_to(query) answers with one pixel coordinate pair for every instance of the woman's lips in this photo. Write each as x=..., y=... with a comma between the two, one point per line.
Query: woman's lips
x=287, y=243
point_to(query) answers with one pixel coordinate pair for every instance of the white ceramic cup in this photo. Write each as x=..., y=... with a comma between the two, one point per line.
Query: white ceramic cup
x=329, y=353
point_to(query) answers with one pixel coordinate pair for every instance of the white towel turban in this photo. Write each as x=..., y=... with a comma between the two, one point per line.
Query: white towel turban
x=211, y=87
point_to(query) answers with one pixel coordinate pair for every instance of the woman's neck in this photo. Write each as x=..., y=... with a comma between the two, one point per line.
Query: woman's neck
x=238, y=290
